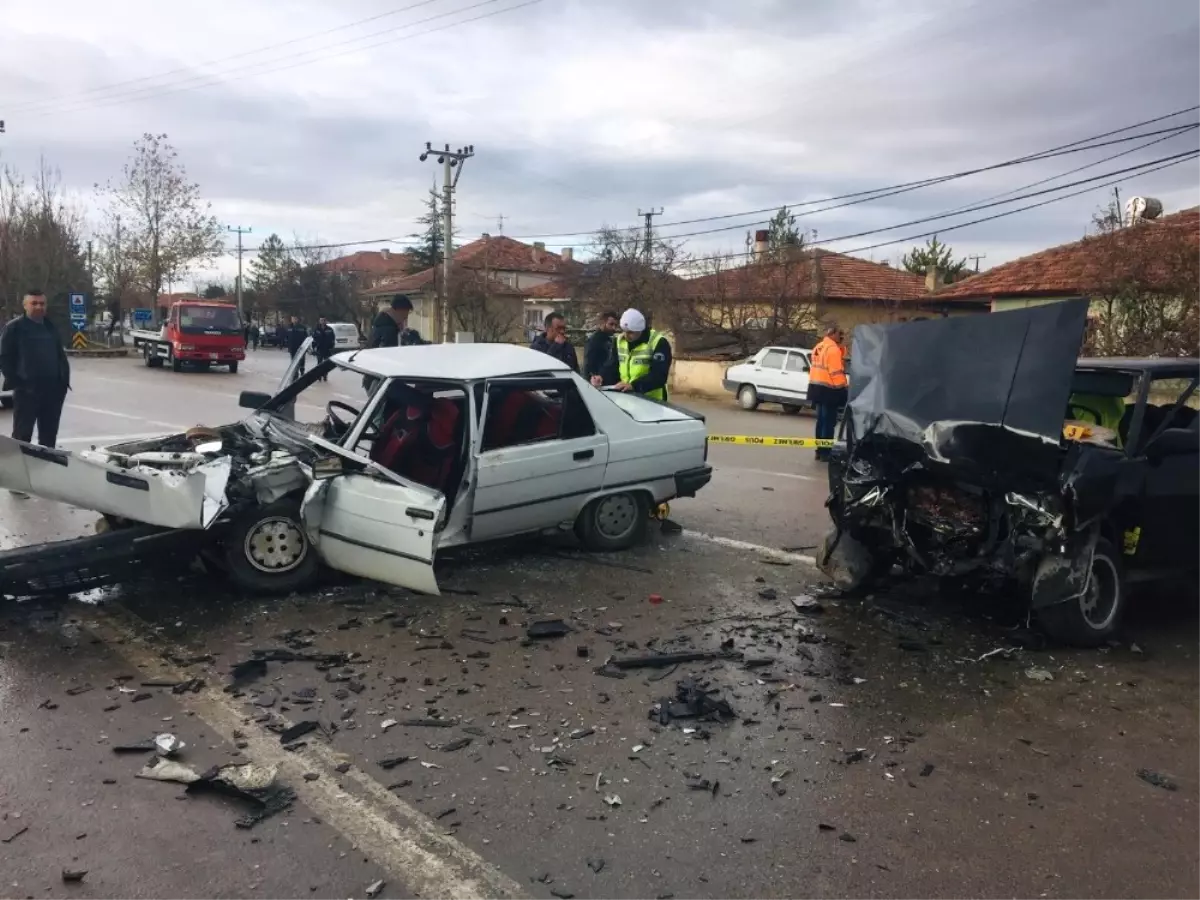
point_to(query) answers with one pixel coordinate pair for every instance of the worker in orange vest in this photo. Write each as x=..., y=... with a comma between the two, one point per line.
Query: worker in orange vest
x=827, y=385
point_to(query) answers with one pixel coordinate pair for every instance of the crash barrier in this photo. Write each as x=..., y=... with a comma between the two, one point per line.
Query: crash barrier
x=761, y=441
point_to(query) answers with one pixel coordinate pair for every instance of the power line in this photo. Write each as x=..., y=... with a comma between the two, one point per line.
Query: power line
x=104, y=88
x=149, y=93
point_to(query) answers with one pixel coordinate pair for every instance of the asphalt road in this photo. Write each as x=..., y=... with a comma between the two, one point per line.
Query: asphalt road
x=873, y=755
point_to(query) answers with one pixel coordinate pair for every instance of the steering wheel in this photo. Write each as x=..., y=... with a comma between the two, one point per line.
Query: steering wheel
x=336, y=423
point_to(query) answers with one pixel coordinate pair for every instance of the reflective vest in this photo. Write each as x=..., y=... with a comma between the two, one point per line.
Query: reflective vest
x=827, y=366
x=635, y=365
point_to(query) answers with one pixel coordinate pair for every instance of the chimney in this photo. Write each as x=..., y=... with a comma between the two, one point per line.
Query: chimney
x=568, y=253
x=933, y=279
x=386, y=254
x=817, y=280
x=761, y=243
x=538, y=248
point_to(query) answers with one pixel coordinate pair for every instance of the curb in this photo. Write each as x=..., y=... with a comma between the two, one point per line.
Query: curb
x=99, y=352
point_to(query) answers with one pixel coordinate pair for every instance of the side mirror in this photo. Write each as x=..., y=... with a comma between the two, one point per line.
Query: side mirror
x=253, y=399
x=1174, y=442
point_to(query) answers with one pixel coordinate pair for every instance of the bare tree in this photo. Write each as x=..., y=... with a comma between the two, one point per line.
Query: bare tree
x=169, y=228
x=479, y=306
x=623, y=276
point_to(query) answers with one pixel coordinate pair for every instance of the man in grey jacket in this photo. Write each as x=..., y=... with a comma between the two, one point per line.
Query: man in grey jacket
x=35, y=366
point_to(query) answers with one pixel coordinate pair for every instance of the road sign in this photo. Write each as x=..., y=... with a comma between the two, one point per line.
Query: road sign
x=143, y=315
x=78, y=302
x=79, y=321
x=79, y=342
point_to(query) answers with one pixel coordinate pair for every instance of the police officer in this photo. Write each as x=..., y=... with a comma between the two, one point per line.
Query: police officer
x=641, y=362
x=294, y=337
x=324, y=343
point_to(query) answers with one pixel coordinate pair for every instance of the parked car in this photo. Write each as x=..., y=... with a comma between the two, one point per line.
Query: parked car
x=772, y=375
x=456, y=444
x=979, y=449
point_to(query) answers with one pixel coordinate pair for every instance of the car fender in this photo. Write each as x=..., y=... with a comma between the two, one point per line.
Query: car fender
x=1062, y=577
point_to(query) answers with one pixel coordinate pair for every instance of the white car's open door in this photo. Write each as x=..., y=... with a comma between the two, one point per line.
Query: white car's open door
x=293, y=369
x=371, y=524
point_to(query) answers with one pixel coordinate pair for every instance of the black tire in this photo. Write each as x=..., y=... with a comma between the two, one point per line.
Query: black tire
x=747, y=397
x=147, y=357
x=259, y=550
x=791, y=410
x=614, y=522
x=233, y=368
x=176, y=365
x=1090, y=620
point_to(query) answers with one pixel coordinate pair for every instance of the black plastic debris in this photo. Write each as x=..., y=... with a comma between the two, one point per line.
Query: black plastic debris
x=140, y=696
x=391, y=762
x=428, y=723
x=191, y=686
x=596, y=864
x=847, y=837
x=822, y=826
x=146, y=746
x=1157, y=779
x=548, y=628
x=247, y=671
x=808, y=605
x=769, y=594
x=78, y=689
x=561, y=893
x=692, y=700
x=913, y=646
x=854, y=756
x=297, y=731
x=73, y=876
x=456, y=744
x=13, y=835
x=342, y=768
x=583, y=651
x=279, y=654
x=927, y=770
x=696, y=783
x=663, y=660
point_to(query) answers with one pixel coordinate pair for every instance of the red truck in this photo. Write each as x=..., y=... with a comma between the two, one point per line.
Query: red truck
x=200, y=333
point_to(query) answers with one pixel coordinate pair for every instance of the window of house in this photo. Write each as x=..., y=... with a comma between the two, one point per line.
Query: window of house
x=531, y=411
x=774, y=359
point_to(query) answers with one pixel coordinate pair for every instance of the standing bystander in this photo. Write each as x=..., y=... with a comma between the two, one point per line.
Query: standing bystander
x=827, y=385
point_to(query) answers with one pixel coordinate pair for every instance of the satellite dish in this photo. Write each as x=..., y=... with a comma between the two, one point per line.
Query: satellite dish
x=1139, y=208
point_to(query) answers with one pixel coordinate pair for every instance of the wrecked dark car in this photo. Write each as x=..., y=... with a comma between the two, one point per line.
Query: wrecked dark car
x=981, y=450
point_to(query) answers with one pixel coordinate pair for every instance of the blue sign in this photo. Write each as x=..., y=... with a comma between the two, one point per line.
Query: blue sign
x=78, y=302
x=143, y=315
x=79, y=321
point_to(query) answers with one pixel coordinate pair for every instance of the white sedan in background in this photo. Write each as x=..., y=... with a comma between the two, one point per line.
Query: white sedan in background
x=772, y=375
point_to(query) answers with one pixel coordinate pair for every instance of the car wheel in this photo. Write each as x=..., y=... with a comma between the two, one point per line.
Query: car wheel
x=149, y=360
x=1091, y=619
x=176, y=365
x=748, y=397
x=790, y=409
x=614, y=522
x=233, y=368
x=267, y=549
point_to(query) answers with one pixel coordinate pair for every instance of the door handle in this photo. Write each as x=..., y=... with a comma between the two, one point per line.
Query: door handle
x=583, y=454
x=416, y=512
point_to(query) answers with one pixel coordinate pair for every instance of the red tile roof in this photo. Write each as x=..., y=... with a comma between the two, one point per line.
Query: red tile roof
x=1073, y=269
x=372, y=262
x=841, y=278
x=505, y=253
x=551, y=290
x=418, y=281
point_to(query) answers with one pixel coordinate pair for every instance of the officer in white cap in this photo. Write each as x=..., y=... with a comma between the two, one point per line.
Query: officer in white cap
x=642, y=361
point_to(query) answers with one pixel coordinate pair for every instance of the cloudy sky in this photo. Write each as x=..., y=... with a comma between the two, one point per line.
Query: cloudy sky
x=307, y=117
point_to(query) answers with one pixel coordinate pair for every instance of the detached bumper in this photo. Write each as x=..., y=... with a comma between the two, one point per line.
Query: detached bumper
x=730, y=386
x=689, y=481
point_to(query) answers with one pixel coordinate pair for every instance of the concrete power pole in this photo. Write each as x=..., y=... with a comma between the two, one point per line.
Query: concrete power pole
x=239, y=231
x=451, y=161
x=977, y=259
x=649, y=217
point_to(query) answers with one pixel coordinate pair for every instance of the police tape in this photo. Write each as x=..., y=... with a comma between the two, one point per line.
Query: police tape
x=762, y=441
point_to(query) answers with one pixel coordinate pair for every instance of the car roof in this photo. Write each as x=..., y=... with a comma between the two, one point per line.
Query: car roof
x=793, y=349
x=451, y=362
x=1180, y=367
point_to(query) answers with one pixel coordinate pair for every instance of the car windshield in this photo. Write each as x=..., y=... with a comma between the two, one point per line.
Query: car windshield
x=642, y=410
x=209, y=320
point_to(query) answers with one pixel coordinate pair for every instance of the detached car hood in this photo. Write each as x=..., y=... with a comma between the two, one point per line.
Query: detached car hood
x=984, y=391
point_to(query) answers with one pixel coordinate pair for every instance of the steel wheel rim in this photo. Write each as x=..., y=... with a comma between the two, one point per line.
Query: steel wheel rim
x=747, y=397
x=275, y=545
x=616, y=516
x=1100, y=601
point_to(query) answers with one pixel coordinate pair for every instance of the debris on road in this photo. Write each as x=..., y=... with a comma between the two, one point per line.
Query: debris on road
x=927, y=770
x=596, y=864
x=77, y=690
x=424, y=723
x=388, y=723
x=1035, y=674
x=456, y=744
x=663, y=660
x=696, y=783
x=847, y=837
x=8, y=839
x=73, y=876
x=146, y=746
x=297, y=731
x=656, y=599
x=692, y=700
x=808, y=604
x=548, y=628
x=391, y=762
x=245, y=672
x=613, y=800
x=375, y=888
x=1157, y=779
x=167, y=744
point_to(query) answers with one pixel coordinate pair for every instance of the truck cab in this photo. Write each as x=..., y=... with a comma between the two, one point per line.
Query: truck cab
x=197, y=333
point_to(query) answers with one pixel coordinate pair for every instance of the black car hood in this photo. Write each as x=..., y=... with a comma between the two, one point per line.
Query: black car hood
x=986, y=391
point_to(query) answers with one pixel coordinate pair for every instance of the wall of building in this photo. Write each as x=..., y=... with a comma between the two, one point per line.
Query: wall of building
x=698, y=378
x=1004, y=304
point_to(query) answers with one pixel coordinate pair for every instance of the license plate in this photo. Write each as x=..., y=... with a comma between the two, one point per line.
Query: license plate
x=213, y=356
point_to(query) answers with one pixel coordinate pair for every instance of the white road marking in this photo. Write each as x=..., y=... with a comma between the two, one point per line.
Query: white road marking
x=766, y=472
x=118, y=415
x=403, y=841
x=746, y=546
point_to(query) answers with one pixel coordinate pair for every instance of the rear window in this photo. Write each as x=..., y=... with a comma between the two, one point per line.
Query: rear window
x=223, y=319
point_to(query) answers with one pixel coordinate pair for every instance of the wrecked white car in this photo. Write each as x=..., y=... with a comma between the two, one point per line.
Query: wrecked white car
x=454, y=445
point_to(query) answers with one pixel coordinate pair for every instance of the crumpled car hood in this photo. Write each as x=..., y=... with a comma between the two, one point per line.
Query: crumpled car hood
x=989, y=391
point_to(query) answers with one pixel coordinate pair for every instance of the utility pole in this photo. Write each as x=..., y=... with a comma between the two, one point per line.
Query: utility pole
x=977, y=259
x=450, y=160
x=500, y=223
x=649, y=217
x=239, y=231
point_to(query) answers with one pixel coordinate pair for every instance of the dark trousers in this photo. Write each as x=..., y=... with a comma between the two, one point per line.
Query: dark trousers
x=303, y=362
x=37, y=408
x=828, y=407
x=321, y=357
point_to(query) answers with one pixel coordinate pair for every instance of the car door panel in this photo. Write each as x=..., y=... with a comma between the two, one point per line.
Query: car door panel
x=1167, y=530
x=796, y=369
x=377, y=529
x=770, y=379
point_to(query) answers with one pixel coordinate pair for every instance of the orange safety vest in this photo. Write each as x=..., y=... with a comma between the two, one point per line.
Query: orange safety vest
x=828, y=367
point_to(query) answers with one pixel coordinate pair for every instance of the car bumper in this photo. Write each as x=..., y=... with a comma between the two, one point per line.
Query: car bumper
x=730, y=386
x=217, y=356
x=689, y=481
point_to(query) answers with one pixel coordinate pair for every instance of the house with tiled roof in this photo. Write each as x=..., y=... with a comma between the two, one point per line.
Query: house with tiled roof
x=371, y=267
x=1082, y=268
x=497, y=270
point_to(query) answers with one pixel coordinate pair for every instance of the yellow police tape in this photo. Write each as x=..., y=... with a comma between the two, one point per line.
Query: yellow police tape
x=761, y=441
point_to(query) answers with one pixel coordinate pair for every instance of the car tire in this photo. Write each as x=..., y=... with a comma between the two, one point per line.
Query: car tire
x=233, y=368
x=176, y=365
x=267, y=551
x=146, y=357
x=614, y=522
x=747, y=397
x=791, y=410
x=1090, y=620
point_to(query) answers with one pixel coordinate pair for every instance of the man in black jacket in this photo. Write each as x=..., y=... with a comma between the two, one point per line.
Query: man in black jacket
x=35, y=366
x=599, y=346
x=294, y=337
x=390, y=328
x=324, y=342
x=554, y=341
